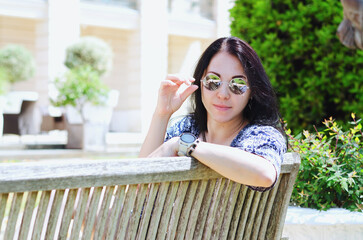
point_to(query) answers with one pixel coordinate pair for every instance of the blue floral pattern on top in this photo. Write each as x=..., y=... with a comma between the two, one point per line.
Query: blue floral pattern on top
x=265, y=141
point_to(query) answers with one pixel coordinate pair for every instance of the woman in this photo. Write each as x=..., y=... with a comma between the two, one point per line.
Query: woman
x=235, y=125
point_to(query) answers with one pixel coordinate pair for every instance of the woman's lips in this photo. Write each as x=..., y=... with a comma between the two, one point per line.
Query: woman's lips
x=221, y=107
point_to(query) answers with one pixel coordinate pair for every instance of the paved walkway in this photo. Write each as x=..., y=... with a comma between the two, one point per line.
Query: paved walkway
x=52, y=145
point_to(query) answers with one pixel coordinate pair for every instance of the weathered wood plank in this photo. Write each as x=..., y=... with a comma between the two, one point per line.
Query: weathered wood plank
x=126, y=211
x=54, y=213
x=136, y=212
x=27, y=215
x=41, y=212
x=198, y=233
x=221, y=209
x=237, y=212
x=168, y=206
x=104, y=211
x=115, y=212
x=13, y=216
x=80, y=212
x=185, y=212
x=91, y=213
x=268, y=210
x=227, y=219
x=37, y=176
x=175, y=214
x=213, y=208
x=251, y=217
x=246, y=210
x=67, y=214
x=157, y=210
x=3, y=201
x=259, y=215
x=146, y=212
x=194, y=212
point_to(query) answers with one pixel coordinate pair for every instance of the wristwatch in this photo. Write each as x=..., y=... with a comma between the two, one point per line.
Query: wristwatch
x=187, y=144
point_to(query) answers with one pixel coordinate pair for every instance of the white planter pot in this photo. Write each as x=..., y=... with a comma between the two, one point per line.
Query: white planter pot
x=91, y=134
x=333, y=224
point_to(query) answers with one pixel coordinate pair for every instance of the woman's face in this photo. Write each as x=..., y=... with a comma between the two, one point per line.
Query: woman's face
x=222, y=105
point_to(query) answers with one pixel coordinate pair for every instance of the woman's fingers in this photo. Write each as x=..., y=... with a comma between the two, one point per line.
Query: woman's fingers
x=187, y=92
x=180, y=79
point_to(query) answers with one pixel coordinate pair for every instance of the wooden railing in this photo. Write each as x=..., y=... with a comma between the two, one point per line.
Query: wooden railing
x=146, y=198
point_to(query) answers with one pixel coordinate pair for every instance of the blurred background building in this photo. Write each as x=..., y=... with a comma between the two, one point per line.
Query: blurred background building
x=149, y=39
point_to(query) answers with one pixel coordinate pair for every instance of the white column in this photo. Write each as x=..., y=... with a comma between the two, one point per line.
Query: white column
x=221, y=9
x=64, y=29
x=153, y=53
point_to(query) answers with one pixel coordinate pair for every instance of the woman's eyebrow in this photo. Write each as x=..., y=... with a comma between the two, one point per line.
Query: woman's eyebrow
x=236, y=76
x=240, y=76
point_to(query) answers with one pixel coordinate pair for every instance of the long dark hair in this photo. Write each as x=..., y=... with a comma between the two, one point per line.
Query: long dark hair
x=262, y=108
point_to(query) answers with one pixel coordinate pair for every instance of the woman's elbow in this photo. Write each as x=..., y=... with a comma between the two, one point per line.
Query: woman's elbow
x=267, y=179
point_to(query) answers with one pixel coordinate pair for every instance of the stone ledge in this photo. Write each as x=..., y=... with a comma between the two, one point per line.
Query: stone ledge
x=311, y=224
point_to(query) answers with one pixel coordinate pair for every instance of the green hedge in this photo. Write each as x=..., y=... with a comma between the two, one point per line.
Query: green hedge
x=315, y=76
x=331, y=170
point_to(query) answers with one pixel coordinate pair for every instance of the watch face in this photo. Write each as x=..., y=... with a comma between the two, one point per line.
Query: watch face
x=187, y=137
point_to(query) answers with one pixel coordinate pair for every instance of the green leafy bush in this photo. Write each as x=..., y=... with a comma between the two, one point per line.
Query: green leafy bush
x=331, y=170
x=90, y=51
x=314, y=74
x=79, y=86
x=16, y=63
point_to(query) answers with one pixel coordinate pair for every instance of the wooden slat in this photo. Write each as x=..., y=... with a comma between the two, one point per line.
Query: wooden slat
x=251, y=217
x=282, y=199
x=237, y=212
x=27, y=216
x=259, y=215
x=168, y=206
x=41, y=212
x=3, y=201
x=91, y=213
x=185, y=212
x=198, y=233
x=54, y=213
x=157, y=210
x=80, y=212
x=221, y=209
x=110, y=231
x=13, y=216
x=213, y=208
x=146, y=213
x=104, y=211
x=267, y=212
x=175, y=214
x=194, y=212
x=246, y=210
x=67, y=214
x=126, y=211
x=136, y=212
x=227, y=219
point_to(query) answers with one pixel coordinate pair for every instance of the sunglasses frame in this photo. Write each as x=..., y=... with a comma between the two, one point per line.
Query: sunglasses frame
x=230, y=85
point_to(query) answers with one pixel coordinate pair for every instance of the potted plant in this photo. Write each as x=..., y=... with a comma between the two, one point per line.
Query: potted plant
x=16, y=64
x=87, y=100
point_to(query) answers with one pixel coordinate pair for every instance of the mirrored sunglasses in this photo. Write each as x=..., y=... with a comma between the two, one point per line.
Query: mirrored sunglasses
x=237, y=85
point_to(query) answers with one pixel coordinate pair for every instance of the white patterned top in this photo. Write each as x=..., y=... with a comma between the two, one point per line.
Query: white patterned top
x=265, y=141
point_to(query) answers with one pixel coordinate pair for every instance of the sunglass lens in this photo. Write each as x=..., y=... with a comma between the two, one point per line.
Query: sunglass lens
x=238, y=86
x=211, y=82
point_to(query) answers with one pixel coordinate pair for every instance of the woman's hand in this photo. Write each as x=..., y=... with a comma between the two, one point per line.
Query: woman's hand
x=167, y=149
x=172, y=93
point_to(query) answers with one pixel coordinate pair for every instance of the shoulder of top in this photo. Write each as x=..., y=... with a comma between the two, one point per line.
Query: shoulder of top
x=262, y=129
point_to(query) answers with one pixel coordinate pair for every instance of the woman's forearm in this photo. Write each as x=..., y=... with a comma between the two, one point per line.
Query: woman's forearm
x=156, y=134
x=236, y=164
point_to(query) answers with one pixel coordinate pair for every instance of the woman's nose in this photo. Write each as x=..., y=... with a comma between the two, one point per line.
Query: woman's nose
x=223, y=90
